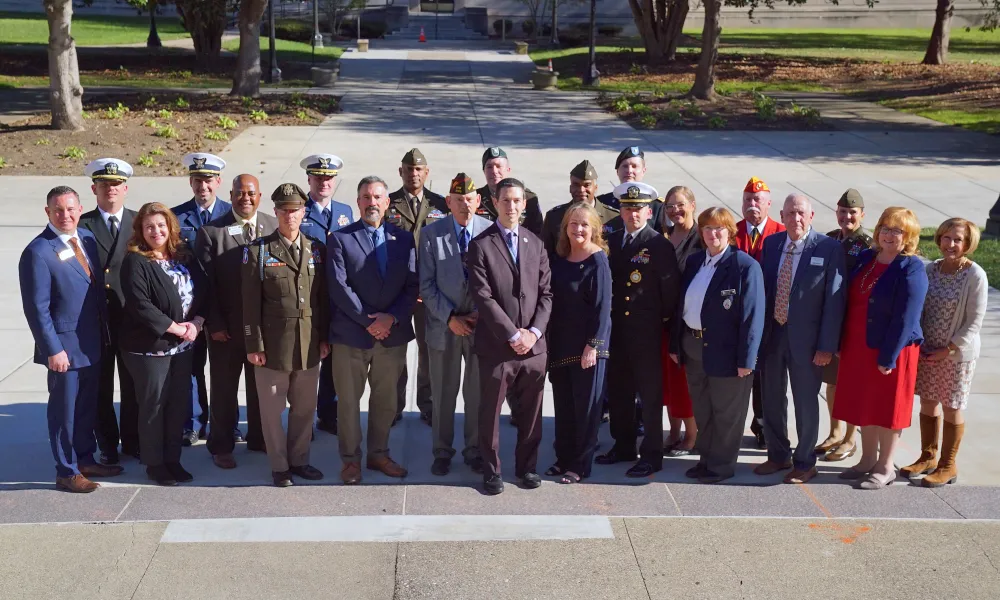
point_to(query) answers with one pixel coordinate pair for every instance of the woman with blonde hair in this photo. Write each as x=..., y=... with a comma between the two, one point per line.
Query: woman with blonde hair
x=879, y=352
x=578, y=335
x=953, y=315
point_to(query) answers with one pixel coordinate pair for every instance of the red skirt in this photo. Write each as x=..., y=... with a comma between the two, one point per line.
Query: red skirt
x=676, y=396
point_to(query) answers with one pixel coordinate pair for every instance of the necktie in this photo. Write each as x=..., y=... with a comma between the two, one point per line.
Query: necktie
x=113, y=226
x=80, y=258
x=380, y=254
x=754, y=237
x=463, y=248
x=248, y=232
x=205, y=217
x=626, y=240
x=294, y=251
x=326, y=218
x=512, y=245
x=784, y=286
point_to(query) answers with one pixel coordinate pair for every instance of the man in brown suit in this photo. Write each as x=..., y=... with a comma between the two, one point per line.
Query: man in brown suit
x=413, y=207
x=509, y=281
x=219, y=247
x=286, y=317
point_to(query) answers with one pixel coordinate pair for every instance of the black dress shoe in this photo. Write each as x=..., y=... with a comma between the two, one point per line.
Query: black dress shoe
x=133, y=452
x=256, y=447
x=327, y=426
x=615, y=456
x=530, y=480
x=426, y=417
x=696, y=471
x=178, y=473
x=761, y=441
x=109, y=458
x=641, y=469
x=493, y=485
x=238, y=435
x=281, y=478
x=203, y=431
x=513, y=421
x=189, y=438
x=307, y=472
x=161, y=475
x=476, y=464
x=712, y=477
x=441, y=466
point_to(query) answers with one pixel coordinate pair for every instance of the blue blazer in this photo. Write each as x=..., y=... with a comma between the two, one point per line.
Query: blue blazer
x=731, y=334
x=190, y=221
x=357, y=289
x=317, y=228
x=818, y=297
x=64, y=309
x=895, y=306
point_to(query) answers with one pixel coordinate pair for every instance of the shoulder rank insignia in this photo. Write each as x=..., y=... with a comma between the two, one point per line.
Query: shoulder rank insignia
x=343, y=220
x=642, y=257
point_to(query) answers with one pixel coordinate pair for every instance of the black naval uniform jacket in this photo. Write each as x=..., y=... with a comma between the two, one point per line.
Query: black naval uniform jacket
x=400, y=212
x=531, y=218
x=656, y=221
x=645, y=287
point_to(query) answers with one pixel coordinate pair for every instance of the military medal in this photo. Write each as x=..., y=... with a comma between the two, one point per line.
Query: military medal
x=343, y=220
x=642, y=257
x=635, y=276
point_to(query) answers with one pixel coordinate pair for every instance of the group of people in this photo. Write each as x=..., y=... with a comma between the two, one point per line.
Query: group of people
x=628, y=302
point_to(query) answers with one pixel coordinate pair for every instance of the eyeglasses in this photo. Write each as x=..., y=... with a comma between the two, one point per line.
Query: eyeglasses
x=715, y=230
x=892, y=232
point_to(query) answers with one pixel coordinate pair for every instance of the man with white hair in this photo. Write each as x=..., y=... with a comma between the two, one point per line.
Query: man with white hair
x=804, y=275
x=750, y=235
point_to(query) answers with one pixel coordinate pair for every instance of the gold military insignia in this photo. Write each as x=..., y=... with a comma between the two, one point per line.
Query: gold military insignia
x=324, y=163
x=635, y=276
x=111, y=168
x=633, y=192
x=287, y=189
x=199, y=163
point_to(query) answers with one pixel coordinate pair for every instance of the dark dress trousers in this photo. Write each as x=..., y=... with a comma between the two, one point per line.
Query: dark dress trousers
x=646, y=285
x=318, y=225
x=581, y=316
x=220, y=248
x=66, y=311
x=110, y=253
x=401, y=213
x=189, y=216
x=531, y=218
x=732, y=323
x=162, y=383
x=510, y=296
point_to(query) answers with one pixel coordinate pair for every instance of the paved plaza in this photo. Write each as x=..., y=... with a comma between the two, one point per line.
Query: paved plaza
x=230, y=534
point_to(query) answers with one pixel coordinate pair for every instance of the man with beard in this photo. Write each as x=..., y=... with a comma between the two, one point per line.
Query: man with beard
x=204, y=177
x=324, y=215
x=496, y=168
x=750, y=235
x=413, y=207
x=631, y=166
x=220, y=247
x=582, y=188
x=111, y=224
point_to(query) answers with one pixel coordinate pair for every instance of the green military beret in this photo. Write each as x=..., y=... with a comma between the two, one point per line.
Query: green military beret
x=462, y=184
x=584, y=171
x=414, y=157
x=491, y=153
x=288, y=196
x=851, y=199
x=627, y=153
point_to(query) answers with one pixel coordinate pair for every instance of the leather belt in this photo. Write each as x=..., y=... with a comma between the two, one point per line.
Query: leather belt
x=698, y=333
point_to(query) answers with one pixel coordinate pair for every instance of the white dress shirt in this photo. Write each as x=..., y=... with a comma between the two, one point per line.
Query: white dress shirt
x=118, y=215
x=628, y=237
x=694, y=298
x=66, y=237
x=242, y=222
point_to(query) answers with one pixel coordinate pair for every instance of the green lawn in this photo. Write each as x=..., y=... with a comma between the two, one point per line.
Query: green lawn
x=295, y=51
x=986, y=120
x=986, y=256
x=722, y=87
x=88, y=30
x=194, y=82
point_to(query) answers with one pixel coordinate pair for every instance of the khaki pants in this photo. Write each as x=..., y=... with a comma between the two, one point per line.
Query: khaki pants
x=298, y=389
x=352, y=367
x=446, y=374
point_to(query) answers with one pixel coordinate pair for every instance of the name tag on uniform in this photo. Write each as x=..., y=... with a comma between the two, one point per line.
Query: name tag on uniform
x=816, y=261
x=66, y=254
x=728, y=292
x=234, y=230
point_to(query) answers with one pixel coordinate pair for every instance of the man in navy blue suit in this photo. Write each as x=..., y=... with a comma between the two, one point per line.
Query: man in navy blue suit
x=804, y=276
x=372, y=275
x=62, y=291
x=205, y=177
x=324, y=215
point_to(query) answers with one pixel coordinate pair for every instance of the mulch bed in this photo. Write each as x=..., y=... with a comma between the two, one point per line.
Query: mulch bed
x=150, y=132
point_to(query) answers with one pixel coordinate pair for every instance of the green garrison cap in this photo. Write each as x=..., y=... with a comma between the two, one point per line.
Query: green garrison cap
x=414, y=157
x=851, y=199
x=584, y=171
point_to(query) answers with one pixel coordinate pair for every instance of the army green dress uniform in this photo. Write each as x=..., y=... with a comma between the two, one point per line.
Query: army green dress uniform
x=286, y=316
x=854, y=245
x=553, y=218
x=531, y=218
x=413, y=213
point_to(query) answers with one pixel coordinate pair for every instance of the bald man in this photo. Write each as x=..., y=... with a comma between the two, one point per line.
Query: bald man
x=221, y=248
x=804, y=274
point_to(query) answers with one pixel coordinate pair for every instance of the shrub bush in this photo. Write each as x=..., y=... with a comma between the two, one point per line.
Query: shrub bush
x=610, y=30
x=369, y=29
x=528, y=26
x=499, y=25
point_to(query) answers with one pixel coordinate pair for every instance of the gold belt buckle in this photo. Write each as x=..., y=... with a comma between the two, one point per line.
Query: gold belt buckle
x=696, y=333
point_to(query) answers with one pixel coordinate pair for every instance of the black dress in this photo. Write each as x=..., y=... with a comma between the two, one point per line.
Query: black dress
x=581, y=316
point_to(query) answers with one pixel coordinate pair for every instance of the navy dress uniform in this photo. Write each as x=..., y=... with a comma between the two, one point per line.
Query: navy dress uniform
x=191, y=216
x=413, y=213
x=319, y=223
x=611, y=200
x=111, y=224
x=645, y=289
x=532, y=218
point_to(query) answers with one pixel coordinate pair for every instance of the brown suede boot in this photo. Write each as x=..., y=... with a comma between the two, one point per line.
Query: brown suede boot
x=929, y=440
x=947, y=470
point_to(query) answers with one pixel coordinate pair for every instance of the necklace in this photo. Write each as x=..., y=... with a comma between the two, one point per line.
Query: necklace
x=866, y=289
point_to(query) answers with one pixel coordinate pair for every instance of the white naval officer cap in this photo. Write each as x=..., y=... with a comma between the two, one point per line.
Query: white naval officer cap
x=635, y=192
x=203, y=163
x=322, y=164
x=108, y=169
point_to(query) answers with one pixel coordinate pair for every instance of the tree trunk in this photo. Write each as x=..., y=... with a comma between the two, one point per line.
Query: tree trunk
x=704, y=79
x=660, y=24
x=674, y=28
x=205, y=20
x=937, y=49
x=65, y=91
x=246, y=77
x=554, y=33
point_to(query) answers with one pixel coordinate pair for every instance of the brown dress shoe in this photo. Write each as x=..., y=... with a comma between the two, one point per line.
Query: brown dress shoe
x=77, y=484
x=351, y=474
x=770, y=468
x=387, y=466
x=800, y=476
x=97, y=470
x=224, y=461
